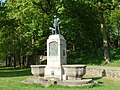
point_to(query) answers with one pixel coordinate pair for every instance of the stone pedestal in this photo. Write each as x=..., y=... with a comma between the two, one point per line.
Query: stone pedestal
x=56, y=56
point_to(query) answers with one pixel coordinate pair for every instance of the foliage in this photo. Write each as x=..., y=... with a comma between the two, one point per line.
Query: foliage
x=95, y=57
x=79, y=20
x=115, y=27
x=24, y=27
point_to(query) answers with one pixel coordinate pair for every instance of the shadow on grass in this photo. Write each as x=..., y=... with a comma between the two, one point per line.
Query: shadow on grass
x=11, y=72
x=93, y=78
x=96, y=79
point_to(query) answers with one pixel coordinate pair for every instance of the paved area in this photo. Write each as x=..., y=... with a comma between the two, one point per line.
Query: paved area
x=46, y=83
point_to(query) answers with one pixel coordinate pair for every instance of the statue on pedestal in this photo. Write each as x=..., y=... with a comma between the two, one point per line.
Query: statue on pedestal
x=56, y=26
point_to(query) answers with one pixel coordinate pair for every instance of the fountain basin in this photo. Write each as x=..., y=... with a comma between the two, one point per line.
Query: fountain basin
x=38, y=70
x=72, y=72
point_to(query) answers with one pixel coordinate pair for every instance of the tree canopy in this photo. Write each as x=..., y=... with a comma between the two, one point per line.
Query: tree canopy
x=24, y=26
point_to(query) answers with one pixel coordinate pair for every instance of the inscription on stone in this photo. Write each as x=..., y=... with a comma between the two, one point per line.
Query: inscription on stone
x=53, y=49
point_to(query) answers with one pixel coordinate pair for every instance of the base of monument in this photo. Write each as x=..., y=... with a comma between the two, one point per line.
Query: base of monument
x=44, y=82
x=75, y=82
x=53, y=72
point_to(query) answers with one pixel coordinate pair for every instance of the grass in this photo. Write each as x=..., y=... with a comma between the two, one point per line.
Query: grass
x=114, y=63
x=10, y=79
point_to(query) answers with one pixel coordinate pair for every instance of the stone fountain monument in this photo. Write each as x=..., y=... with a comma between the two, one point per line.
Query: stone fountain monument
x=57, y=69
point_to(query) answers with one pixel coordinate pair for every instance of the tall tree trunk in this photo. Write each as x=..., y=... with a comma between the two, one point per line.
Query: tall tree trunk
x=9, y=61
x=19, y=60
x=119, y=34
x=23, y=60
x=103, y=30
x=6, y=61
x=14, y=61
x=28, y=61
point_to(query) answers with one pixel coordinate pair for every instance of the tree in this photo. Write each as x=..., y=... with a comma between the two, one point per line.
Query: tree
x=115, y=23
x=27, y=27
x=81, y=25
x=104, y=32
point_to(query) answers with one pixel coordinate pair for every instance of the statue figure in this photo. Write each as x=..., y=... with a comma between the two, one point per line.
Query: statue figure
x=53, y=30
x=56, y=25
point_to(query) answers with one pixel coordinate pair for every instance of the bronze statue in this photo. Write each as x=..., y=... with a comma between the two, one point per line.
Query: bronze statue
x=56, y=26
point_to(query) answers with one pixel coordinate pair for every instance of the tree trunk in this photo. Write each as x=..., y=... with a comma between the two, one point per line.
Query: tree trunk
x=14, y=59
x=23, y=60
x=9, y=61
x=73, y=47
x=104, y=32
x=118, y=33
x=28, y=61
x=19, y=60
x=6, y=61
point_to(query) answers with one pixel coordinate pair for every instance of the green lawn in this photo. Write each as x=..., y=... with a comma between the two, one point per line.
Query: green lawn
x=10, y=79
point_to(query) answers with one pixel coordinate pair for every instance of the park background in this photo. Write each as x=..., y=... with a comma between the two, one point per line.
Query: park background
x=90, y=27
